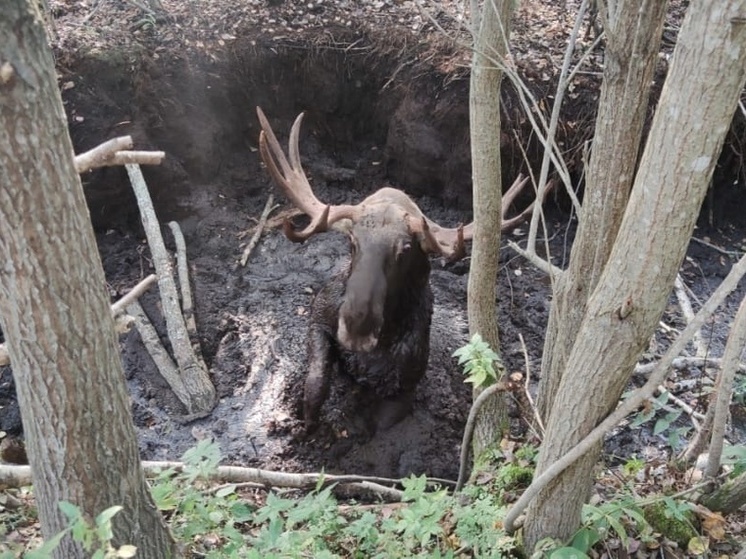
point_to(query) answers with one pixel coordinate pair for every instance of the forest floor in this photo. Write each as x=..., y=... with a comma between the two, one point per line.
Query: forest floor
x=386, y=99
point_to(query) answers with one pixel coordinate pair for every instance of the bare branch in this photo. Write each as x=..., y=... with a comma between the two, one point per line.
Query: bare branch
x=4, y=357
x=133, y=294
x=268, y=207
x=114, y=152
x=98, y=156
x=724, y=388
x=187, y=305
x=17, y=476
x=202, y=395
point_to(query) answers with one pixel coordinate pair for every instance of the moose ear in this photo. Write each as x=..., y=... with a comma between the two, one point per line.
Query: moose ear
x=419, y=229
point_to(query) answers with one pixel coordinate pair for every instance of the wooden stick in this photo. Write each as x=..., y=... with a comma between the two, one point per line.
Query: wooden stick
x=187, y=304
x=98, y=156
x=202, y=396
x=133, y=294
x=115, y=152
x=258, y=231
x=17, y=476
x=4, y=357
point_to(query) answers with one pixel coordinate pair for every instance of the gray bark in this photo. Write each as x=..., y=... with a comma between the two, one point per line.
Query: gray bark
x=491, y=37
x=694, y=112
x=728, y=498
x=633, y=32
x=55, y=312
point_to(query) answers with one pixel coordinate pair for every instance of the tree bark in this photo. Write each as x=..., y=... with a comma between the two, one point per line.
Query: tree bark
x=633, y=32
x=491, y=32
x=55, y=312
x=728, y=498
x=696, y=107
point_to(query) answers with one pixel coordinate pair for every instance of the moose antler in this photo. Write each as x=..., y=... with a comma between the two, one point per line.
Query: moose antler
x=292, y=180
x=449, y=242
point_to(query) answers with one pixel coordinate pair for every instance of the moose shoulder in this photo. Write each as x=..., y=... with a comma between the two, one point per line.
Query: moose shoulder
x=372, y=321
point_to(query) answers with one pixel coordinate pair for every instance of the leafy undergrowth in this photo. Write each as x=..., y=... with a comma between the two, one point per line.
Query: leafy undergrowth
x=246, y=521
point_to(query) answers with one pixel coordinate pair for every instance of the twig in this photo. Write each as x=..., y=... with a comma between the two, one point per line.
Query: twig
x=688, y=312
x=202, y=395
x=133, y=294
x=258, y=231
x=101, y=154
x=724, y=387
x=116, y=152
x=187, y=304
x=635, y=399
x=554, y=120
x=717, y=248
x=469, y=429
x=685, y=362
x=537, y=417
x=4, y=356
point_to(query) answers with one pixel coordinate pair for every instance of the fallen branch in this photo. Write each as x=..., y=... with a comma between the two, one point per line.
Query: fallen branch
x=634, y=400
x=684, y=363
x=537, y=417
x=194, y=375
x=187, y=304
x=115, y=152
x=18, y=476
x=101, y=154
x=133, y=295
x=268, y=207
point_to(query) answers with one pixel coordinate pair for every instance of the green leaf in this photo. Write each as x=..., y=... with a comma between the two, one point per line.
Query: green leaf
x=69, y=510
x=106, y=516
x=225, y=491
x=585, y=538
x=567, y=553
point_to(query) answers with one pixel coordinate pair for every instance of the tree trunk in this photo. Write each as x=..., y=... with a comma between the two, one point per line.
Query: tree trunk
x=633, y=34
x=695, y=109
x=490, y=39
x=55, y=312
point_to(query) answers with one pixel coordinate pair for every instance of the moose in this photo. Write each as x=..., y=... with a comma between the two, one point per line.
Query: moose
x=372, y=320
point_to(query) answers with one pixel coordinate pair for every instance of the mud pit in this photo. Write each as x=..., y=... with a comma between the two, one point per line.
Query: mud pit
x=252, y=320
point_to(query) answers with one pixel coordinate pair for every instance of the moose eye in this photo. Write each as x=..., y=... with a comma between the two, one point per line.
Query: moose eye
x=404, y=248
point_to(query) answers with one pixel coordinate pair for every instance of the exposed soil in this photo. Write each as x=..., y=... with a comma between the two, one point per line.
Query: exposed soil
x=386, y=104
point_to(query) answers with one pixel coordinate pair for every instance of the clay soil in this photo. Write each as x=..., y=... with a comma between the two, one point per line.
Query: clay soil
x=385, y=95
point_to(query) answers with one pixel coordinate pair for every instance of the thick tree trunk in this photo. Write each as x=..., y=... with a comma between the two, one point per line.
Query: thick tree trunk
x=55, y=311
x=695, y=110
x=728, y=498
x=491, y=37
x=633, y=32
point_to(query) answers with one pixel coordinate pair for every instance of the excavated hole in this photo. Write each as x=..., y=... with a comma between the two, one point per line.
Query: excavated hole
x=358, y=135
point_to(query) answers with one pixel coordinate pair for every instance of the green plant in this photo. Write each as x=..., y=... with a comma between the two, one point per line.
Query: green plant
x=666, y=416
x=478, y=361
x=95, y=538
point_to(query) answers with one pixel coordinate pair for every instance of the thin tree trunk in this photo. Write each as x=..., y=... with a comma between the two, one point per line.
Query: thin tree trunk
x=696, y=107
x=633, y=32
x=491, y=39
x=55, y=313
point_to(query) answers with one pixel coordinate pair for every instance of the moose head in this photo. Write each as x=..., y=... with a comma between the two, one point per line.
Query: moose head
x=390, y=238
x=389, y=235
